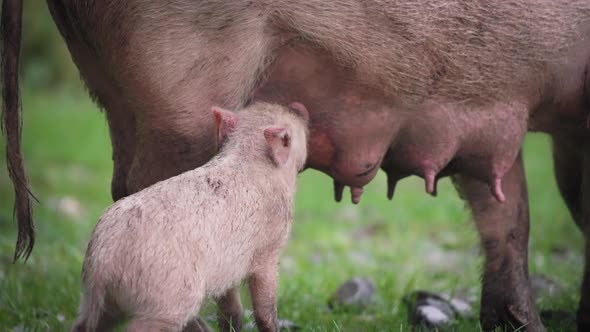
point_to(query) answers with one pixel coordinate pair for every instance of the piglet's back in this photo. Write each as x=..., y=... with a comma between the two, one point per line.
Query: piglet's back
x=208, y=216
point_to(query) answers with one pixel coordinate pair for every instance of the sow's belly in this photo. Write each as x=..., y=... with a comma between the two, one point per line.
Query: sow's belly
x=355, y=130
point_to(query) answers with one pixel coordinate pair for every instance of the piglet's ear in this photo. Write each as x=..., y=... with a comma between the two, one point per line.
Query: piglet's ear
x=300, y=109
x=225, y=122
x=279, y=143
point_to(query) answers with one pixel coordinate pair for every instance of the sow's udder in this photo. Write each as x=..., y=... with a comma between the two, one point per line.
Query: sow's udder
x=431, y=142
x=356, y=129
x=350, y=125
x=349, y=144
x=348, y=160
x=439, y=140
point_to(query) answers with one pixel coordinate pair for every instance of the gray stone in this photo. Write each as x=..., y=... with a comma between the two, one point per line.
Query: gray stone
x=354, y=292
x=284, y=325
x=429, y=310
x=545, y=287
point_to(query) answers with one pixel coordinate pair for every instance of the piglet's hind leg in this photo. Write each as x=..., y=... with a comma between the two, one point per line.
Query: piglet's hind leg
x=229, y=311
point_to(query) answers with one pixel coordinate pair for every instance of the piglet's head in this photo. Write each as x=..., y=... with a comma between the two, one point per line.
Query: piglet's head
x=225, y=123
x=286, y=138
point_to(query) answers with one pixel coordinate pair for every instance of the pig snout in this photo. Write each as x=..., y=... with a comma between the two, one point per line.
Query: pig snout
x=300, y=109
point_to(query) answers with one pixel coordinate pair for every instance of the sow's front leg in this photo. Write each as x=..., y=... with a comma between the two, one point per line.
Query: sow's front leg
x=583, y=316
x=571, y=156
x=506, y=298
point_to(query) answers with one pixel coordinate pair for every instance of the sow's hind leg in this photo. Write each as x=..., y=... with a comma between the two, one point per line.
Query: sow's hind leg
x=175, y=126
x=571, y=158
x=506, y=298
x=122, y=133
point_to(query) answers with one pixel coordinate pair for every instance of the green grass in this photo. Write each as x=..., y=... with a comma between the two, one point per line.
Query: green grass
x=67, y=153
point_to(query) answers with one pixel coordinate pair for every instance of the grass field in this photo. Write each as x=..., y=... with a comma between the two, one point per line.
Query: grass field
x=414, y=242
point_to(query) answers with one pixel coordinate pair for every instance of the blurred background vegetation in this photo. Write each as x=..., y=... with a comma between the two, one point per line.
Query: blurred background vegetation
x=45, y=58
x=415, y=242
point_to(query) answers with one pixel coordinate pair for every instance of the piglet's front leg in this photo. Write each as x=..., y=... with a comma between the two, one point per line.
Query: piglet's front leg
x=263, y=284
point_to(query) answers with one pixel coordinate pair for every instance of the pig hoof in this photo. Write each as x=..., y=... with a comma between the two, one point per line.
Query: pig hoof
x=355, y=292
x=510, y=317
